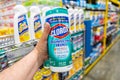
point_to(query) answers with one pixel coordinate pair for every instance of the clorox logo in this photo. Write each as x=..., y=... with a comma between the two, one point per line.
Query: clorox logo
x=59, y=31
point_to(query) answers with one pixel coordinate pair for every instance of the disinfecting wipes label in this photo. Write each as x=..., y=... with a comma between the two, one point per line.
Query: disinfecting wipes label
x=59, y=44
x=61, y=52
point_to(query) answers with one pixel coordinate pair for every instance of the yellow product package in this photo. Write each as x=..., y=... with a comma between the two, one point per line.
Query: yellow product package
x=37, y=76
x=55, y=76
x=46, y=73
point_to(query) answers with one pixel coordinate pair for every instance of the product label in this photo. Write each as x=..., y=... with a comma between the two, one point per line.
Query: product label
x=74, y=43
x=59, y=44
x=77, y=22
x=59, y=31
x=72, y=23
x=37, y=26
x=82, y=18
x=23, y=28
x=47, y=63
x=91, y=16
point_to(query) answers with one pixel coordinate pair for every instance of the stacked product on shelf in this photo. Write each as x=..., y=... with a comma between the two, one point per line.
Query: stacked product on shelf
x=8, y=40
x=77, y=35
x=6, y=24
x=108, y=40
x=6, y=30
x=95, y=36
x=113, y=18
x=77, y=38
x=76, y=16
x=90, y=33
x=94, y=21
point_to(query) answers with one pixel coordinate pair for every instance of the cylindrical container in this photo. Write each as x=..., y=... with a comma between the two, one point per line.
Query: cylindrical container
x=21, y=29
x=59, y=44
x=35, y=23
x=71, y=20
x=43, y=10
x=77, y=20
x=80, y=19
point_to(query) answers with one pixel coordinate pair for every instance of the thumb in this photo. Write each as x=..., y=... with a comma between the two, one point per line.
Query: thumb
x=46, y=32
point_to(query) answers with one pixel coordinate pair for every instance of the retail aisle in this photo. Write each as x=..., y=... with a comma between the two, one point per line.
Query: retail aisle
x=109, y=67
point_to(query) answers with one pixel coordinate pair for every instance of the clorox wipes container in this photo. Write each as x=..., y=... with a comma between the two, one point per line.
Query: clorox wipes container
x=59, y=44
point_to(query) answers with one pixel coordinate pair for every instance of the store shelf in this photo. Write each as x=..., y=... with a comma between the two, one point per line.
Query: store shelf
x=95, y=10
x=81, y=51
x=6, y=36
x=80, y=69
x=13, y=61
x=112, y=11
x=110, y=32
x=100, y=25
x=79, y=32
x=100, y=57
x=95, y=29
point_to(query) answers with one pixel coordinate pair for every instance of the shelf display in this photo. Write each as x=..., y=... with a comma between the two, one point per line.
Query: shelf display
x=92, y=29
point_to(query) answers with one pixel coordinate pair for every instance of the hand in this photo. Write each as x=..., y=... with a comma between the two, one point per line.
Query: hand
x=27, y=66
x=41, y=46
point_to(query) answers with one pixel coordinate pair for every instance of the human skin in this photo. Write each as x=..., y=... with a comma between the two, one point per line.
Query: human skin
x=27, y=66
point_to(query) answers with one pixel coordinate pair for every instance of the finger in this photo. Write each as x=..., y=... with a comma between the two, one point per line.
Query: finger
x=46, y=31
x=46, y=57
